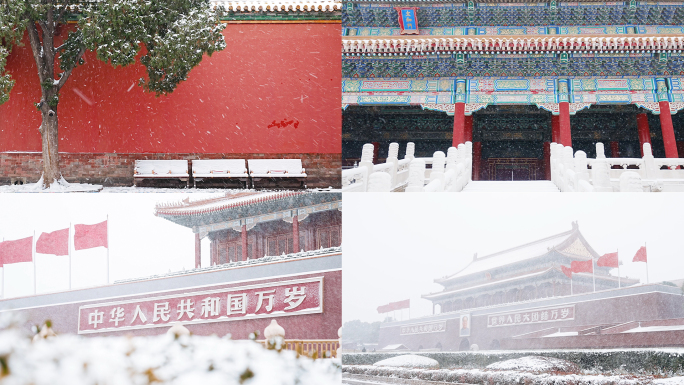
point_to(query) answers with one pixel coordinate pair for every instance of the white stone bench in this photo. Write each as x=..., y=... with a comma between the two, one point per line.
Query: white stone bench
x=219, y=169
x=276, y=170
x=161, y=169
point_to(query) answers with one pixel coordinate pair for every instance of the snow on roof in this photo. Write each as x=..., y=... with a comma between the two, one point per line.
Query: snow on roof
x=355, y=45
x=662, y=328
x=519, y=277
x=279, y=5
x=395, y=347
x=569, y=243
x=249, y=262
x=226, y=202
x=561, y=334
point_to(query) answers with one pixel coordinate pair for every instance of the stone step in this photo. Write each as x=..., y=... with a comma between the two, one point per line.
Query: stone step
x=511, y=186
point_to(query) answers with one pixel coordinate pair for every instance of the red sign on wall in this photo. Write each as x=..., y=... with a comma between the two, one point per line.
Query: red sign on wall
x=551, y=314
x=275, y=299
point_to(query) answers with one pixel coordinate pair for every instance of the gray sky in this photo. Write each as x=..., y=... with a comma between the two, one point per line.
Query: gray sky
x=140, y=244
x=395, y=245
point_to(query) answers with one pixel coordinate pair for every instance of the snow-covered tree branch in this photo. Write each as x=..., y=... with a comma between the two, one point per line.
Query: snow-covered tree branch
x=172, y=35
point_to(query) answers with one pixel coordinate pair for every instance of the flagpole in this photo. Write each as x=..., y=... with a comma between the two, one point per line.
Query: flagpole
x=2, y=287
x=645, y=249
x=69, y=249
x=33, y=254
x=593, y=276
x=571, y=285
x=108, y=249
x=618, y=253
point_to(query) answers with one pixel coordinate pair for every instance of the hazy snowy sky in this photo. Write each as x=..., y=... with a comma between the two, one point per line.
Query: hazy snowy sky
x=395, y=245
x=140, y=243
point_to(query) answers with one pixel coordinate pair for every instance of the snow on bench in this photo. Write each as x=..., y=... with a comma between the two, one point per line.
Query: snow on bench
x=219, y=168
x=161, y=169
x=276, y=169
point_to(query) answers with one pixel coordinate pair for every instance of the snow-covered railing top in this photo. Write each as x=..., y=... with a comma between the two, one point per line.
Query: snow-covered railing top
x=279, y=5
x=249, y=262
x=512, y=44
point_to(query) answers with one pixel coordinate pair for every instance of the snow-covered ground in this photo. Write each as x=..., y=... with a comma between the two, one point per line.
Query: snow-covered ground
x=511, y=186
x=488, y=376
x=187, y=360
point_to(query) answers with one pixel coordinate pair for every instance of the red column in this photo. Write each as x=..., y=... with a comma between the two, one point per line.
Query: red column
x=477, y=158
x=554, y=128
x=295, y=234
x=564, y=135
x=376, y=152
x=547, y=160
x=668, y=131
x=198, y=251
x=244, y=242
x=614, y=149
x=644, y=131
x=468, y=132
x=459, y=124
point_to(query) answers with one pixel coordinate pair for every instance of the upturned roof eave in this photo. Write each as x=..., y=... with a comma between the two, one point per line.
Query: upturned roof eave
x=625, y=281
x=454, y=276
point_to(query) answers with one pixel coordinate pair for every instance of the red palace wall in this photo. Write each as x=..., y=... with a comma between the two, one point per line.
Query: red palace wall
x=269, y=73
x=616, y=310
x=306, y=326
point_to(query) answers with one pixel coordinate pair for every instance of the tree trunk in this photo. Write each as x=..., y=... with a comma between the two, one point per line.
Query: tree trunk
x=50, y=140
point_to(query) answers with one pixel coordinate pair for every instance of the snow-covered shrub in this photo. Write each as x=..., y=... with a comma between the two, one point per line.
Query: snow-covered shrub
x=164, y=359
x=507, y=377
x=536, y=364
x=657, y=361
x=409, y=361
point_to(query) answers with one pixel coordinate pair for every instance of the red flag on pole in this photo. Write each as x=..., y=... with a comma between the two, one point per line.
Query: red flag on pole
x=608, y=260
x=567, y=271
x=582, y=266
x=56, y=242
x=20, y=250
x=394, y=306
x=89, y=236
x=640, y=255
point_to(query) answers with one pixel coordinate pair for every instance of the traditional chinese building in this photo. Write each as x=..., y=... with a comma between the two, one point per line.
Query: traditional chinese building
x=512, y=77
x=520, y=297
x=296, y=281
x=251, y=225
x=273, y=93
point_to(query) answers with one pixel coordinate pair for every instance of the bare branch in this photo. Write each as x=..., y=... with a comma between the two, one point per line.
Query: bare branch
x=61, y=13
x=36, y=47
x=65, y=75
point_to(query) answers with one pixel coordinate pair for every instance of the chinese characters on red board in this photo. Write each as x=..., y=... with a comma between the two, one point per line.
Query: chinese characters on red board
x=551, y=314
x=434, y=327
x=255, y=301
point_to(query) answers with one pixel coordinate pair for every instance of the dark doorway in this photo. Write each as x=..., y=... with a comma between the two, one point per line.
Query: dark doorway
x=430, y=130
x=512, y=139
x=465, y=345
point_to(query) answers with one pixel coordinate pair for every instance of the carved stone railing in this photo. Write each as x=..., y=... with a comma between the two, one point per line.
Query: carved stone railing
x=574, y=172
x=309, y=348
x=451, y=172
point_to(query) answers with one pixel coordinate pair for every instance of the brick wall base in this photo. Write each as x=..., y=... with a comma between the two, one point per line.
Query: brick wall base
x=323, y=170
